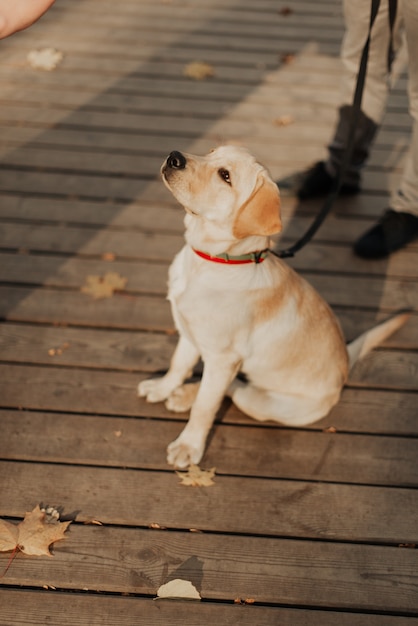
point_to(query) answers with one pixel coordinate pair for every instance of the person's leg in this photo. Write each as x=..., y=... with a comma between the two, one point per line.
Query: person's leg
x=357, y=16
x=399, y=225
x=406, y=197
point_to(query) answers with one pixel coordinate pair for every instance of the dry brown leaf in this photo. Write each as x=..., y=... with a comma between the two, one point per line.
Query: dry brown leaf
x=284, y=120
x=287, y=58
x=92, y=522
x=45, y=59
x=246, y=601
x=199, y=70
x=179, y=588
x=58, y=351
x=104, y=286
x=156, y=526
x=34, y=534
x=196, y=477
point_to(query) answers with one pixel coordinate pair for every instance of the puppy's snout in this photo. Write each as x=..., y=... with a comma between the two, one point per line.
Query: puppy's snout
x=176, y=160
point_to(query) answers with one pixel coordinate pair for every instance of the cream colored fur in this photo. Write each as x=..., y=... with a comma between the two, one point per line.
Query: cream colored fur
x=263, y=320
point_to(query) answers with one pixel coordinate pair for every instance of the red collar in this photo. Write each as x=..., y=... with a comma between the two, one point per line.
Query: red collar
x=251, y=257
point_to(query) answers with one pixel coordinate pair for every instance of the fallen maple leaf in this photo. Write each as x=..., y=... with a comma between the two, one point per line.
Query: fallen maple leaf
x=104, y=286
x=196, y=477
x=46, y=59
x=34, y=534
x=199, y=70
x=178, y=588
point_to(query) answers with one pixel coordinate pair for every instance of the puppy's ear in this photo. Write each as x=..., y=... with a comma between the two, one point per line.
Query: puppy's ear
x=260, y=215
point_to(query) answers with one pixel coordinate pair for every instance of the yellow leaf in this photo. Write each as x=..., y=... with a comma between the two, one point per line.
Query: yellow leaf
x=196, y=477
x=199, y=70
x=34, y=534
x=8, y=536
x=104, y=286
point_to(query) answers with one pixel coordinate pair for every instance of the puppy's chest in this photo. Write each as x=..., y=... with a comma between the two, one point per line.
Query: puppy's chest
x=198, y=296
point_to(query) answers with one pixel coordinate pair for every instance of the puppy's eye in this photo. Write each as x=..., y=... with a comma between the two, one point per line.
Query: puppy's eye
x=224, y=174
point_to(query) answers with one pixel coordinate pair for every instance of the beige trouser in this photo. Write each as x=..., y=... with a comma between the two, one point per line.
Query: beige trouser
x=357, y=16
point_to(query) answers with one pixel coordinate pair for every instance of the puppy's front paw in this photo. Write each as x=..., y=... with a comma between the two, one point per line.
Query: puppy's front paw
x=182, y=398
x=154, y=390
x=182, y=453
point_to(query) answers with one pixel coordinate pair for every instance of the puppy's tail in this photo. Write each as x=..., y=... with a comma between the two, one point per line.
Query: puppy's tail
x=373, y=337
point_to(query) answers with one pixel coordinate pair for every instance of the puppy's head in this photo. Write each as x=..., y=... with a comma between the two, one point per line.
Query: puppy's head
x=227, y=186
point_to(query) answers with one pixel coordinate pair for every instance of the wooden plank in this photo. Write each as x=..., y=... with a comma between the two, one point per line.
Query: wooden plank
x=51, y=271
x=142, y=312
x=299, y=155
x=92, y=348
x=70, y=240
x=117, y=48
x=233, y=128
x=61, y=307
x=168, y=217
x=114, y=393
x=143, y=216
x=216, y=20
x=388, y=368
x=72, y=272
x=163, y=246
x=20, y=606
x=232, y=12
x=89, y=187
x=76, y=211
x=147, y=352
x=315, y=510
x=267, y=570
x=245, y=450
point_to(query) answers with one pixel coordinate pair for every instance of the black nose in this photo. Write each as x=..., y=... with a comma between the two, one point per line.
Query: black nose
x=176, y=160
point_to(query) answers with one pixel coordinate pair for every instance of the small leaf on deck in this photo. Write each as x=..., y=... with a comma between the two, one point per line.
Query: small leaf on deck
x=196, y=477
x=178, y=588
x=199, y=70
x=104, y=286
x=45, y=59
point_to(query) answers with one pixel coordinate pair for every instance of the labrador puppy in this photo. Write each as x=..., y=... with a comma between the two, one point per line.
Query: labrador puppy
x=243, y=310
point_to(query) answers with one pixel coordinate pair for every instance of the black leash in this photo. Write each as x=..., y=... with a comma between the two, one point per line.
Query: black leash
x=355, y=112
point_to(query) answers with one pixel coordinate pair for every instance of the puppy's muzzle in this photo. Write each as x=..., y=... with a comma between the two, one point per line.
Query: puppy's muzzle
x=176, y=161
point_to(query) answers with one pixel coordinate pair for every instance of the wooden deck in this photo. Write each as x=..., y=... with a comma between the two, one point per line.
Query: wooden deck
x=314, y=527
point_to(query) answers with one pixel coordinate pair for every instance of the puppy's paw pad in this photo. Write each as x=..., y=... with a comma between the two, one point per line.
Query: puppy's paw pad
x=181, y=400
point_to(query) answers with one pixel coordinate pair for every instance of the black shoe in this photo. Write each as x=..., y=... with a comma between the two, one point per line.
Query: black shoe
x=393, y=231
x=318, y=182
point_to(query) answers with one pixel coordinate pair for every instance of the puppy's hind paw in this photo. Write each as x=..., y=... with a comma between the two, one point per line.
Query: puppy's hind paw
x=182, y=398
